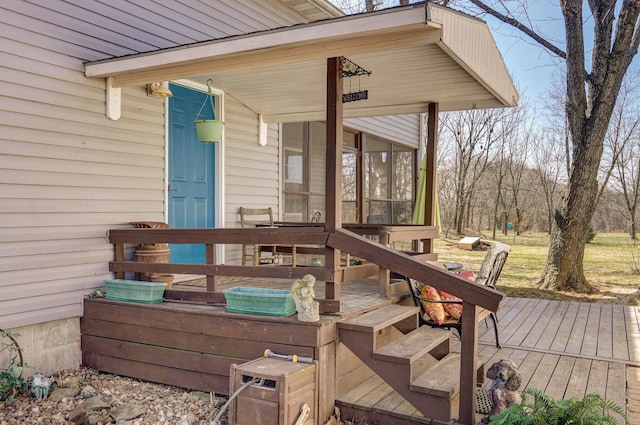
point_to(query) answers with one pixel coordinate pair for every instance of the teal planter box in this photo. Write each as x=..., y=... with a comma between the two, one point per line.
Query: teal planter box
x=268, y=302
x=135, y=291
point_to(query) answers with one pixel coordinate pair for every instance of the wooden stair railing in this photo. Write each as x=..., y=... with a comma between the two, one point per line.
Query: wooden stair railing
x=416, y=363
x=472, y=295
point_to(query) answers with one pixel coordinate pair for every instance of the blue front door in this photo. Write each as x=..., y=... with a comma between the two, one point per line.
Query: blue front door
x=191, y=172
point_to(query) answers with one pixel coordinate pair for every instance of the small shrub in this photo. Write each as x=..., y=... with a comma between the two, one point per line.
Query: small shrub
x=11, y=381
x=590, y=234
x=545, y=410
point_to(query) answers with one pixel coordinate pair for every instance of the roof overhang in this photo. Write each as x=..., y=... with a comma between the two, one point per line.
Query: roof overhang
x=417, y=55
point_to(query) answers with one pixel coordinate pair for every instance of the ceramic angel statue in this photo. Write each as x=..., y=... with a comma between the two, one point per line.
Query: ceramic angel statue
x=303, y=294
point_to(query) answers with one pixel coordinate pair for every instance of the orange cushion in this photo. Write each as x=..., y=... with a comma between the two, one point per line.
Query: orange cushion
x=467, y=274
x=454, y=310
x=434, y=311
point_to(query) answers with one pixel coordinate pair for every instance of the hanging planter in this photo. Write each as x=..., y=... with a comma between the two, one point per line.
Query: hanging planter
x=209, y=131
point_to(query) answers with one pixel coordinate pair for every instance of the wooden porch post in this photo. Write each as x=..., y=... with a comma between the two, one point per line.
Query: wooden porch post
x=468, y=360
x=430, y=181
x=333, y=188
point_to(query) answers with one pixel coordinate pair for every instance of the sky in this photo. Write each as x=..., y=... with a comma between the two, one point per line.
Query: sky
x=532, y=67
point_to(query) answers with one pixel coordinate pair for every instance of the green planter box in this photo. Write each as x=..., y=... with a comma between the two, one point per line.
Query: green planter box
x=135, y=291
x=268, y=302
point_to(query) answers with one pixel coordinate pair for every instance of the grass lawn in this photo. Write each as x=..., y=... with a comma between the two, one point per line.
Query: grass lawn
x=612, y=263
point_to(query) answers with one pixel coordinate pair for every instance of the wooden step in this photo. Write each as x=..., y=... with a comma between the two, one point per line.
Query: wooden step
x=443, y=378
x=413, y=345
x=379, y=319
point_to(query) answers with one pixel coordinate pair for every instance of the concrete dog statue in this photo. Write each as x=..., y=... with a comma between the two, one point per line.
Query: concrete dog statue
x=506, y=381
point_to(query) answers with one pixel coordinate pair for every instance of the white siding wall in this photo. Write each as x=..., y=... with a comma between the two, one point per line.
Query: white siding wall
x=404, y=129
x=67, y=173
x=251, y=171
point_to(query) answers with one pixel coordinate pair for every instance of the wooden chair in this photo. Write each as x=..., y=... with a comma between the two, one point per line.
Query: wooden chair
x=487, y=275
x=253, y=217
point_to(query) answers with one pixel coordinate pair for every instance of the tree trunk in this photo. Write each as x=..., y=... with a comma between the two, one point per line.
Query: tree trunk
x=632, y=230
x=564, y=267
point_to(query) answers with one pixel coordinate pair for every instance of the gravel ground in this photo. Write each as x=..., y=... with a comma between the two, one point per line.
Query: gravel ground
x=158, y=404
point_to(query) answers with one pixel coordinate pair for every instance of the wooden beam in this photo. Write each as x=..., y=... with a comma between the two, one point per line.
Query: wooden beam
x=210, y=257
x=468, y=358
x=333, y=188
x=259, y=235
x=430, y=181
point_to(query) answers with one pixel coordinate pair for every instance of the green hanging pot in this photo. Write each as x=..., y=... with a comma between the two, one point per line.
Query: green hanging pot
x=209, y=131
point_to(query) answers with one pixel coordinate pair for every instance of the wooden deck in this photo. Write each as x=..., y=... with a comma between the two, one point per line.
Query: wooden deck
x=566, y=349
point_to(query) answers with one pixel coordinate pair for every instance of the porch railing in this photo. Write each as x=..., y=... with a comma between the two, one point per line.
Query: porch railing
x=378, y=254
x=286, y=234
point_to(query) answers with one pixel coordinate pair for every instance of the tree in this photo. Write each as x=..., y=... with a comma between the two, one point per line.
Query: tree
x=593, y=83
x=623, y=138
x=548, y=159
x=474, y=134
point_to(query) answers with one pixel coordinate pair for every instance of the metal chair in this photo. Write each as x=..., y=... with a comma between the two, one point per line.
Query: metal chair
x=262, y=217
x=487, y=275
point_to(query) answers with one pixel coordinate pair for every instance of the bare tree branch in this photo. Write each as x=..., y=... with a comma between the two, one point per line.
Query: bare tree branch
x=517, y=24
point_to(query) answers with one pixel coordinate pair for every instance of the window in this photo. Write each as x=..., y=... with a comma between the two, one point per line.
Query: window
x=294, y=166
x=378, y=189
x=389, y=182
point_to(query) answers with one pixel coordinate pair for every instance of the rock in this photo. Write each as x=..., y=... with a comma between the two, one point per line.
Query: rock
x=189, y=419
x=59, y=393
x=127, y=412
x=95, y=418
x=94, y=404
x=202, y=396
x=70, y=382
x=88, y=392
x=78, y=416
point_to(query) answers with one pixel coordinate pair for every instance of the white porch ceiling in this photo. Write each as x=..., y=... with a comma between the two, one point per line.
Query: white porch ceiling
x=417, y=55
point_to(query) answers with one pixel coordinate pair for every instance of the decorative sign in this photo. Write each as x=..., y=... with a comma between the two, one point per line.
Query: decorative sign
x=351, y=69
x=353, y=97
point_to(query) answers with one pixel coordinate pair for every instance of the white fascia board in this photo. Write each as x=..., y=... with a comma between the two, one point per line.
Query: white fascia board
x=337, y=28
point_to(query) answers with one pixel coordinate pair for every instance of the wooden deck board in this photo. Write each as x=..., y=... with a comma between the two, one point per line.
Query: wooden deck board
x=616, y=383
x=565, y=328
x=574, y=343
x=373, y=397
x=620, y=349
x=597, y=377
x=577, y=384
x=590, y=340
x=559, y=379
x=604, y=346
x=540, y=326
x=522, y=324
x=553, y=327
x=544, y=372
x=632, y=321
x=359, y=392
